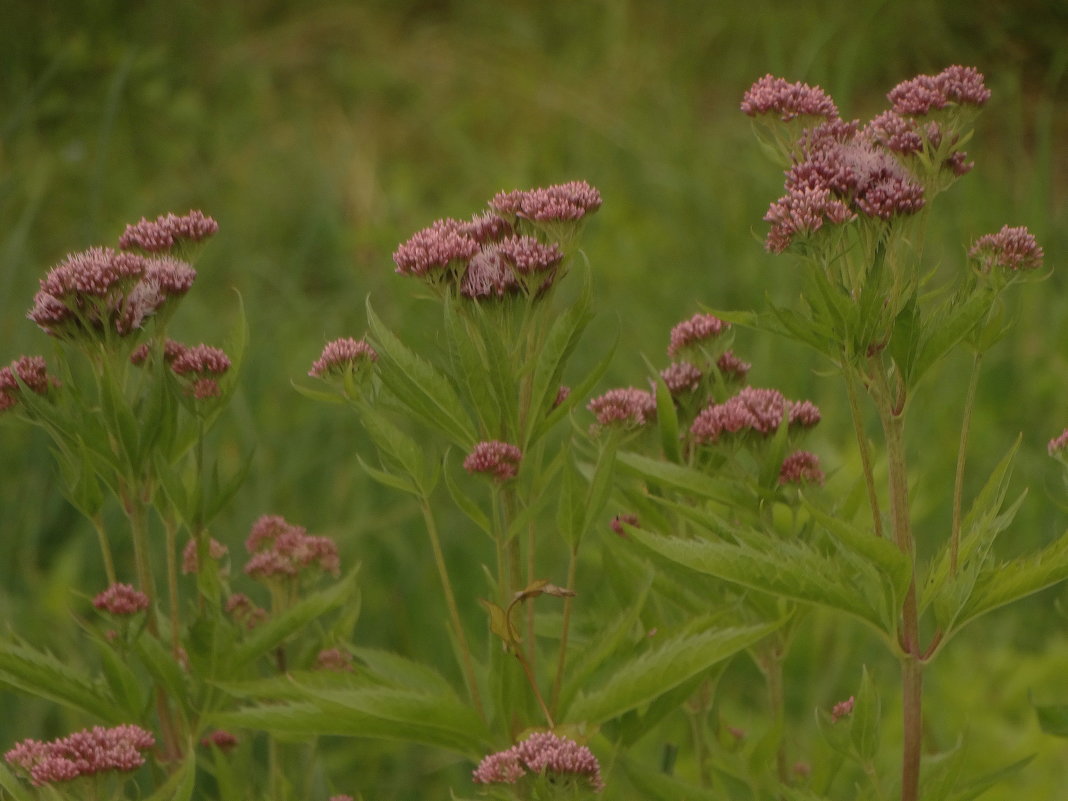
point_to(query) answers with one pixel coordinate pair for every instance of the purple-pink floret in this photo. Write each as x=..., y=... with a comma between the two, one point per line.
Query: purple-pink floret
x=681, y=377
x=244, y=611
x=201, y=360
x=558, y=203
x=121, y=600
x=488, y=274
x=732, y=367
x=220, y=738
x=697, y=329
x=771, y=95
x=340, y=355
x=620, y=522
x=435, y=248
x=626, y=406
x=190, y=560
x=166, y=231
x=494, y=458
x=842, y=709
x=83, y=753
x=801, y=467
x=487, y=227
x=957, y=85
x=1059, y=445
x=31, y=371
x=1010, y=249
x=752, y=410
x=541, y=753
x=334, y=659
x=280, y=549
x=527, y=255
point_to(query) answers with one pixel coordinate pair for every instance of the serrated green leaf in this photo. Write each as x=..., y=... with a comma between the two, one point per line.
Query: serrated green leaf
x=404, y=673
x=954, y=322
x=469, y=364
x=419, y=386
x=317, y=394
x=390, y=479
x=123, y=682
x=467, y=505
x=657, y=671
x=278, y=628
x=866, y=719
x=43, y=675
x=399, y=453
x=579, y=393
x=13, y=786
x=676, y=476
x=570, y=504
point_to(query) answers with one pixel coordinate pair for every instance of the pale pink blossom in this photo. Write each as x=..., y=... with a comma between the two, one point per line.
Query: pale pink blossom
x=1011, y=249
x=788, y=101
x=341, y=355
x=499, y=460
x=168, y=230
x=626, y=406
x=801, y=467
x=446, y=242
x=31, y=371
x=83, y=753
x=698, y=329
x=281, y=549
x=121, y=600
x=542, y=754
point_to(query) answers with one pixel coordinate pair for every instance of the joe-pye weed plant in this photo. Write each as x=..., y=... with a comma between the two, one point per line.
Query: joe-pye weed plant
x=590, y=659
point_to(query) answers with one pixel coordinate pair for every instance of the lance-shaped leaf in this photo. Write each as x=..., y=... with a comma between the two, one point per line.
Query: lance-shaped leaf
x=655, y=672
x=656, y=785
x=791, y=569
x=953, y=323
x=867, y=719
x=401, y=455
x=419, y=385
x=469, y=360
x=18, y=790
x=43, y=675
x=180, y=784
x=675, y=476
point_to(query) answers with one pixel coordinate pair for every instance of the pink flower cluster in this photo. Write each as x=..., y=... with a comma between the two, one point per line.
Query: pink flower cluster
x=100, y=290
x=843, y=709
x=681, y=377
x=956, y=85
x=83, y=753
x=190, y=561
x=1059, y=445
x=801, y=467
x=223, y=740
x=692, y=332
x=771, y=95
x=342, y=355
x=244, y=611
x=334, y=659
x=626, y=407
x=280, y=549
x=499, y=460
x=752, y=410
x=121, y=600
x=166, y=231
x=31, y=371
x=541, y=754
x=732, y=367
x=1011, y=249
x=200, y=366
x=488, y=256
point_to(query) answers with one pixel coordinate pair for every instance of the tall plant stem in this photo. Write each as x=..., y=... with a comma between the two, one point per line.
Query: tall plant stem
x=467, y=663
x=777, y=702
x=911, y=665
x=561, y=658
x=172, y=584
x=863, y=445
x=958, y=481
x=105, y=549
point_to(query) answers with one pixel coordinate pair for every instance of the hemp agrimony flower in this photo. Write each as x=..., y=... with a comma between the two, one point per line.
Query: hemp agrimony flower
x=121, y=600
x=83, y=753
x=801, y=467
x=1011, y=249
x=627, y=407
x=342, y=355
x=546, y=756
x=281, y=550
x=788, y=101
x=698, y=329
x=499, y=460
x=167, y=231
x=31, y=371
x=752, y=411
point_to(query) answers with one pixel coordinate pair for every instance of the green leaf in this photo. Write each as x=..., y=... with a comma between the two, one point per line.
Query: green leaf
x=399, y=452
x=180, y=784
x=976, y=787
x=676, y=476
x=657, y=671
x=44, y=676
x=1053, y=718
x=946, y=328
x=390, y=479
x=579, y=393
x=655, y=784
x=419, y=386
x=16, y=788
x=278, y=628
x=469, y=363
x=866, y=719
x=571, y=504
x=791, y=569
x=467, y=505
x=600, y=487
x=667, y=421
x=404, y=673
x=160, y=662
x=122, y=681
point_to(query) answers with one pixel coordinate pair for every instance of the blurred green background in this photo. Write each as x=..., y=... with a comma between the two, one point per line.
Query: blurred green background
x=322, y=133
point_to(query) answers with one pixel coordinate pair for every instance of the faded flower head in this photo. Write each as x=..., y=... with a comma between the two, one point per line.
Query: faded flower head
x=31, y=371
x=1011, y=249
x=692, y=332
x=801, y=467
x=629, y=407
x=496, y=459
x=282, y=550
x=488, y=275
x=83, y=753
x=167, y=231
x=334, y=659
x=245, y=611
x=956, y=85
x=342, y=355
x=752, y=411
x=788, y=101
x=542, y=754
x=121, y=600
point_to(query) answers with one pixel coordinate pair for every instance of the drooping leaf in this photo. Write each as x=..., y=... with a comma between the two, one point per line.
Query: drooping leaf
x=43, y=675
x=867, y=719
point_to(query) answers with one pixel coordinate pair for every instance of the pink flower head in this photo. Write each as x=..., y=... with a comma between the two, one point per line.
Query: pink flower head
x=167, y=231
x=801, y=212
x=956, y=85
x=562, y=394
x=499, y=460
x=280, y=549
x=626, y=407
x=31, y=371
x=488, y=275
x=83, y=753
x=558, y=203
x=752, y=410
x=801, y=467
x=771, y=95
x=527, y=255
x=342, y=355
x=842, y=709
x=172, y=349
x=697, y=329
x=732, y=367
x=681, y=377
x=190, y=562
x=244, y=611
x=542, y=754
x=1058, y=446
x=446, y=242
x=487, y=227
x=201, y=360
x=223, y=740
x=334, y=659
x=1011, y=249
x=121, y=600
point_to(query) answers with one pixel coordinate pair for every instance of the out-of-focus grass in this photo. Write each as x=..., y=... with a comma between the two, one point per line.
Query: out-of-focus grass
x=320, y=134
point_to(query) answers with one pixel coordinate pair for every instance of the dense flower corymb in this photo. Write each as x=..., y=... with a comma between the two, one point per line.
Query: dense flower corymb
x=1059, y=445
x=83, y=753
x=433, y=249
x=1012, y=249
x=771, y=95
x=167, y=230
x=697, y=329
x=121, y=600
x=542, y=754
x=752, y=410
x=499, y=460
x=957, y=85
x=342, y=354
x=282, y=550
x=558, y=203
x=627, y=406
x=801, y=467
x=31, y=371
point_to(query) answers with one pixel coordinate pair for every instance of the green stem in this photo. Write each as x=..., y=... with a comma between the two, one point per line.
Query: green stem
x=958, y=482
x=172, y=584
x=864, y=445
x=561, y=659
x=105, y=549
x=777, y=701
x=467, y=663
